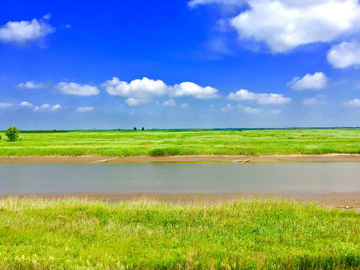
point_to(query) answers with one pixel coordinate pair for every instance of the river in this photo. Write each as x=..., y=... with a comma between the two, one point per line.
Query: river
x=180, y=177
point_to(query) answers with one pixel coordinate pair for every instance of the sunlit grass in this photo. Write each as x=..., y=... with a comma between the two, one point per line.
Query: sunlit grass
x=189, y=142
x=80, y=234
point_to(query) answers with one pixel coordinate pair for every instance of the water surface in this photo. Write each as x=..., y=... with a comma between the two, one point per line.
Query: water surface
x=179, y=177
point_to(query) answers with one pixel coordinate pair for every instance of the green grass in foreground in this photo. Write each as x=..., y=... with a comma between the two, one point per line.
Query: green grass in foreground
x=187, y=142
x=79, y=234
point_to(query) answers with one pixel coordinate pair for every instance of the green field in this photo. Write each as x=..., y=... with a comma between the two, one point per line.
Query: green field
x=187, y=142
x=79, y=234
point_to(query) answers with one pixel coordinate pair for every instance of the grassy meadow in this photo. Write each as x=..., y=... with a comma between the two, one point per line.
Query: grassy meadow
x=80, y=234
x=185, y=142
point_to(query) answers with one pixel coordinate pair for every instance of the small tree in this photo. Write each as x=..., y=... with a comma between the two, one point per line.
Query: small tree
x=142, y=128
x=135, y=128
x=12, y=133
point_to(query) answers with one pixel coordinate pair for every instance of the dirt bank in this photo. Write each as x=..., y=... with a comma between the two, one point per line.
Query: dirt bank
x=190, y=158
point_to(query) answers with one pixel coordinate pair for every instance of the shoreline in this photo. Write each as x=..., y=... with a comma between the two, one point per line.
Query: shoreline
x=184, y=159
x=341, y=200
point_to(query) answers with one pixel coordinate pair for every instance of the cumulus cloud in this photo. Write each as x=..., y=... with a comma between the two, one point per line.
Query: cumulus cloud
x=184, y=106
x=77, y=89
x=31, y=85
x=252, y=110
x=169, y=102
x=135, y=102
x=228, y=107
x=5, y=105
x=24, y=32
x=84, y=109
x=56, y=107
x=354, y=102
x=138, y=91
x=23, y=104
x=316, y=81
x=194, y=3
x=345, y=54
x=26, y=104
x=244, y=94
x=284, y=25
x=318, y=100
x=192, y=89
x=47, y=16
x=43, y=107
x=144, y=90
x=273, y=111
x=47, y=107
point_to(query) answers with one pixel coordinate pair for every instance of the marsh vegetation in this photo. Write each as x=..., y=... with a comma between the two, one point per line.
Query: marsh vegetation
x=81, y=234
x=186, y=142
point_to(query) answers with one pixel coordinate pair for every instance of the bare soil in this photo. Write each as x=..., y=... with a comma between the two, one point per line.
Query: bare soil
x=186, y=159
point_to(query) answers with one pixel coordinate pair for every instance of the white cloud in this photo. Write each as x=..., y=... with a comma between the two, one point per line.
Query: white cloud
x=184, y=106
x=43, y=107
x=273, y=111
x=56, y=107
x=354, y=102
x=310, y=101
x=252, y=110
x=344, y=54
x=316, y=81
x=47, y=17
x=313, y=101
x=26, y=104
x=194, y=3
x=283, y=25
x=31, y=85
x=134, y=101
x=228, y=107
x=144, y=90
x=318, y=100
x=84, y=109
x=23, y=32
x=192, y=89
x=77, y=89
x=5, y=105
x=169, y=102
x=244, y=94
x=138, y=91
x=47, y=107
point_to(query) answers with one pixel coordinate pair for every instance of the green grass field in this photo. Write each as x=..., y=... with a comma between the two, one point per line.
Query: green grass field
x=188, y=142
x=79, y=234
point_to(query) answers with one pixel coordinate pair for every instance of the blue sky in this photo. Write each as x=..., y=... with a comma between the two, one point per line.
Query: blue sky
x=179, y=64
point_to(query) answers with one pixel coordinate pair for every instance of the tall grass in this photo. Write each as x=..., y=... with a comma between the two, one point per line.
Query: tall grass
x=80, y=234
x=188, y=142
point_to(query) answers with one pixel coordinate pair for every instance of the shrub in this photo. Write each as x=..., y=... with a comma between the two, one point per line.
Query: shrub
x=12, y=133
x=161, y=152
